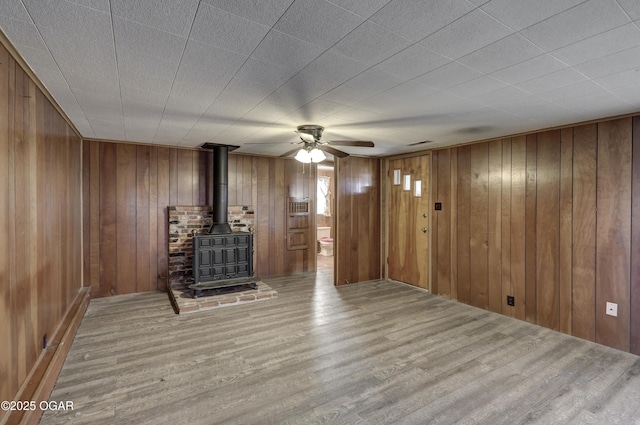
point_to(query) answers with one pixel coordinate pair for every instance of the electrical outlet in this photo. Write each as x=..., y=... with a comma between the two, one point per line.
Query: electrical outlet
x=511, y=300
x=612, y=309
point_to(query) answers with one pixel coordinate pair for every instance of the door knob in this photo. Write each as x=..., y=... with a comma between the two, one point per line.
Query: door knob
x=424, y=215
x=424, y=230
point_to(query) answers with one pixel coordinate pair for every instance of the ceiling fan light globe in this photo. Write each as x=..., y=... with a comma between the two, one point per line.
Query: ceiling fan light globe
x=317, y=155
x=303, y=156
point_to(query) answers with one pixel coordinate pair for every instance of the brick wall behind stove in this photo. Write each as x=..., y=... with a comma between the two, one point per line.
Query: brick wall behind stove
x=184, y=222
x=241, y=218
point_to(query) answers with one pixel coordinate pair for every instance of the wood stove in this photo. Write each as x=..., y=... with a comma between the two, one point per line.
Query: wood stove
x=221, y=258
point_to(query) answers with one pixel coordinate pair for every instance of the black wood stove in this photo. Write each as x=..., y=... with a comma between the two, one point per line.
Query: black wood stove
x=221, y=258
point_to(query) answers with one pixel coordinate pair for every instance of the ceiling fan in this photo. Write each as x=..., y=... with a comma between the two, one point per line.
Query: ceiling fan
x=313, y=147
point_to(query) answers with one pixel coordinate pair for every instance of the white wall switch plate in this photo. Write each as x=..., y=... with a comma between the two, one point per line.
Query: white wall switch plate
x=612, y=309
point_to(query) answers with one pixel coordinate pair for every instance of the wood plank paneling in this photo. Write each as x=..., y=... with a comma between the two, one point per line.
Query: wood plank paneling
x=63, y=182
x=548, y=229
x=254, y=202
x=196, y=175
x=583, y=320
x=560, y=209
x=49, y=203
x=494, y=227
x=203, y=176
x=359, y=249
x=464, y=214
x=185, y=176
x=126, y=219
x=374, y=223
x=358, y=257
x=108, y=220
x=518, y=226
x=22, y=295
x=566, y=230
x=344, y=210
x=15, y=302
x=11, y=231
x=233, y=178
x=164, y=199
x=43, y=123
x=86, y=213
x=634, y=300
x=41, y=220
x=93, y=205
x=613, y=235
x=154, y=213
x=280, y=195
x=478, y=225
x=505, y=233
x=143, y=216
x=173, y=176
x=136, y=184
x=73, y=216
x=530, y=230
x=271, y=173
x=436, y=251
x=249, y=180
x=443, y=229
x=453, y=224
x=262, y=219
x=243, y=177
x=7, y=385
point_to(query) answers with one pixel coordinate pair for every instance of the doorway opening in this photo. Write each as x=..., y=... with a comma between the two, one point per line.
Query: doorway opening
x=325, y=223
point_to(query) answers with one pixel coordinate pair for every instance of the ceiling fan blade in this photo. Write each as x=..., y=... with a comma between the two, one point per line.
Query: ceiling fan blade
x=420, y=143
x=270, y=143
x=332, y=151
x=306, y=137
x=361, y=143
x=289, y=153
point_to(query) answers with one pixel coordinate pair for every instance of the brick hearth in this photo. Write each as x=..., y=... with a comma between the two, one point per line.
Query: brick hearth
x=183, y=302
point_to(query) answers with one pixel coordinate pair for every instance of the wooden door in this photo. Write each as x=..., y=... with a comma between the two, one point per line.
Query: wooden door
x=408, y=250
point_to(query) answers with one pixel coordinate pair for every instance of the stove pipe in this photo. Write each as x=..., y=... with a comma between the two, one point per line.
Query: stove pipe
x=220, y=195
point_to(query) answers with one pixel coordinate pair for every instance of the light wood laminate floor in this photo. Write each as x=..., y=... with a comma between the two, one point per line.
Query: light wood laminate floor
x=370, y=353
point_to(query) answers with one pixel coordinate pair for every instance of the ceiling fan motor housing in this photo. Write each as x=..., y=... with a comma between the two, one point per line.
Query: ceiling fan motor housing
x=312, y=129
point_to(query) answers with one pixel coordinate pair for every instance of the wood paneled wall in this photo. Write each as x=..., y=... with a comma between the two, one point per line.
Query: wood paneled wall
x=545, y=217
x=243, y=180
x=357, y=241
x=277, y=180
x=40, y=223
x=128, y=187
x=635, y=240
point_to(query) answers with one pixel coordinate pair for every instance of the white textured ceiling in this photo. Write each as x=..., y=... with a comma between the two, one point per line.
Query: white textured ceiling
x=395, y=72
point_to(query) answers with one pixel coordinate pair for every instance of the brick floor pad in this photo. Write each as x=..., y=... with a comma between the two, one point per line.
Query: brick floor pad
x=183, y=301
